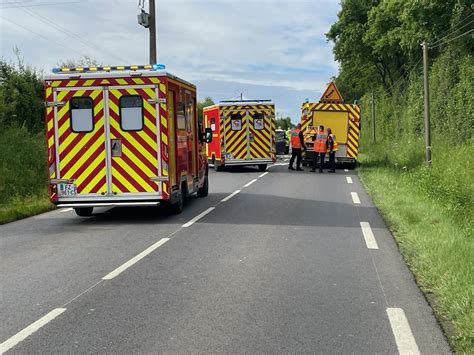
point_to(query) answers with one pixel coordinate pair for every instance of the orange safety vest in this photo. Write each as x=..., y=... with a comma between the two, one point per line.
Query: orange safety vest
x=320, y=144
x=295, y=138
x=335, y=145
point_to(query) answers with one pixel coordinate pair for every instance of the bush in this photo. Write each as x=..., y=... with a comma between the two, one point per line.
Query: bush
x=22, y=163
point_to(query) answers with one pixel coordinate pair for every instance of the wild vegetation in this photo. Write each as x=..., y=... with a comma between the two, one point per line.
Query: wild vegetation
x=430, y=209
x=22, y=144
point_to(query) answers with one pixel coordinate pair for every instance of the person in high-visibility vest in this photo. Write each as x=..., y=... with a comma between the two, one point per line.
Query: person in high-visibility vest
x=320, y=148
x=297, y=144
x=332, y=148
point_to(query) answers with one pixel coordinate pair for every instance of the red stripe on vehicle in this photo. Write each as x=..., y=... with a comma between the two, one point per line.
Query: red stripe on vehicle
x=140, y=172
x=131, y=180
x=99, y=185
x=91, y=176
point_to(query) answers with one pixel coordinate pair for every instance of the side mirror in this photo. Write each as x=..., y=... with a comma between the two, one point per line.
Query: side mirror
x=207, y=135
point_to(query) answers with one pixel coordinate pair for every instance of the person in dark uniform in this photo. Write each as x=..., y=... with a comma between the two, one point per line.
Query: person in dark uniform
x=332, y=148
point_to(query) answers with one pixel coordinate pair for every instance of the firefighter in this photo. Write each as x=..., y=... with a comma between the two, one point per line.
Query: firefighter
x=332, y=148
x=320, y=148
x=297, y=143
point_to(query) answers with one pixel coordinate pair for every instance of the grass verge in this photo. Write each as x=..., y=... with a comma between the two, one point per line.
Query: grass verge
x=438, y=248
x=24, y=207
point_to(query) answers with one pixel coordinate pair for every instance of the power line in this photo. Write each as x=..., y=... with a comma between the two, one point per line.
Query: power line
x=41, y=36
x=452, y=39
x=406, y=75
x=449, y=34
x=453, y=29
x=35, y=5
x=65, y=31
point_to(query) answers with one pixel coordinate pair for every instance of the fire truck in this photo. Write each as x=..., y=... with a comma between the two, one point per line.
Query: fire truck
x=342, y=118
x=243, y=133
x=123, y=136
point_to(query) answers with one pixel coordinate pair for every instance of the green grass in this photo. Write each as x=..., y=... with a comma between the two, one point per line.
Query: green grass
x=19, y=208
x=23, y=174
x=430, y=213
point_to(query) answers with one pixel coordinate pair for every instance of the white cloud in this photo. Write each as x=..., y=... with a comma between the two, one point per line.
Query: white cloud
x=270, y=45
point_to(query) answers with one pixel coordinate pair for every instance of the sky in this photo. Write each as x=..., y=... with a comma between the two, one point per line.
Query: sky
x=262, y=49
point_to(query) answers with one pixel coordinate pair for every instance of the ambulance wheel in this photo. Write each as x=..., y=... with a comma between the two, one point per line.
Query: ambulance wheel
x=218, y=167
x=177, y=207
x=262, y=167
x=204, y=190
x=83, y=211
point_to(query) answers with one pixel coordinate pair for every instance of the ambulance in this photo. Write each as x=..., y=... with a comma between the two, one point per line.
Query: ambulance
x=243, y=133
x=342, y=118
x=123, y=136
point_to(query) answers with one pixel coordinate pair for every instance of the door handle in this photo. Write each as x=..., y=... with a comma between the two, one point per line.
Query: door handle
x=116, y=147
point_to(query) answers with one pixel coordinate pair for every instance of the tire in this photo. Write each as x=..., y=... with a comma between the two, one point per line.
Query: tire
x=218, y=167
x=83, y=211
x=262, y=167
x=204, y=190
x=178, y=206
x=352, y=166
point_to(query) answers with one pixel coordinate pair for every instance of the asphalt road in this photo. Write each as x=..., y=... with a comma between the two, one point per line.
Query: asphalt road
x=283, y=266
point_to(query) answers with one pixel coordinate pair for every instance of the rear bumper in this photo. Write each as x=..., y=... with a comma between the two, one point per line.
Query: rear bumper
x=248, y=162
x=109, y=204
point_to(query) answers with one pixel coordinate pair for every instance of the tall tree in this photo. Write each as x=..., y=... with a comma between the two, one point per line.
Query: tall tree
x=201, y=104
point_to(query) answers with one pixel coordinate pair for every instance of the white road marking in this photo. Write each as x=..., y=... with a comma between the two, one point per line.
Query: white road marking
x=225, y=199
x=349, y=179
x=355, y=198
x=406, y=343
x=65, y=210
x=346, y=170
x=135, y=259
x=250, y=183
x=32, y=328
x=368, y=235
x=198, y=217
x=263, y=174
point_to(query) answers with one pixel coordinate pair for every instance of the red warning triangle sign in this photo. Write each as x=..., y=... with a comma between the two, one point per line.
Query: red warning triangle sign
x=331, y=95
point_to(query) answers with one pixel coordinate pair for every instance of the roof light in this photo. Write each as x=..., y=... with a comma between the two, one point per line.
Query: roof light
x=109, y=68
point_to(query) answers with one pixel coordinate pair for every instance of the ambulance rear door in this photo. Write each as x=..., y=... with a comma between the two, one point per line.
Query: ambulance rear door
x=236, y=132
x=80, y=141
x=134, y=148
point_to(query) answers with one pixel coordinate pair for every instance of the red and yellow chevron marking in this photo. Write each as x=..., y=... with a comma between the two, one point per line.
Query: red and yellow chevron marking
x=260, y=146
x=49, y=98
x=131, y=172
x=236, y=141
x=353, y=139
x=354, y=121
x=221, y=132
x=273, y=129
x=105, y=82
x=82, y=155
x=165, y=143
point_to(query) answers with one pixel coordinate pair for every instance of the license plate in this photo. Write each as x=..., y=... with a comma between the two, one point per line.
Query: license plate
x=65, y=190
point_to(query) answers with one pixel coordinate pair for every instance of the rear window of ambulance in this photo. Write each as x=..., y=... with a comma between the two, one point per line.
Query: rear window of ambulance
x=131, y=113
x=82, y=115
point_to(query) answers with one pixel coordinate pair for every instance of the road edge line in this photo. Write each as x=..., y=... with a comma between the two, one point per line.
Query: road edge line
x=29, y=330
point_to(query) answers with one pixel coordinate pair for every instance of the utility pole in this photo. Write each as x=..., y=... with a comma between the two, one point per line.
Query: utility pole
x=152, y=24
x=373, y=116
x=241, y=96
x=427, y=103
